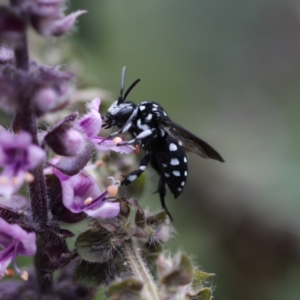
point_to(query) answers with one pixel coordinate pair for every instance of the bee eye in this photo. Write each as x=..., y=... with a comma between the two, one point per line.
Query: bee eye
x=123, y=115
x=106, y=117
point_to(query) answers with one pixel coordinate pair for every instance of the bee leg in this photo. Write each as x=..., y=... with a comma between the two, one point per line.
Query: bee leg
x=162, y=194
x=122, y=130
x=135, y=174
x=138, y=139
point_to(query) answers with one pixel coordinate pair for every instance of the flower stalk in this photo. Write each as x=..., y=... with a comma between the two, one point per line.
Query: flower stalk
x=26, y=120
x=140, y=270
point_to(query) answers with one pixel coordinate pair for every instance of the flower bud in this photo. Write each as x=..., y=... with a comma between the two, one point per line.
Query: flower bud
x=45, y=99
x=65, y=140
x=6, y=55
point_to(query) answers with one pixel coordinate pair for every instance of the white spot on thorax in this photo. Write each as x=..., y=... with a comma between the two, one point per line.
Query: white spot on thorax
x=180, y=143
x=142, y=107
x=164, y=165
x=183, y=183
x=185, y=160
x=142, y=126
x=176, y=173
x=174, y=162
x=144, y=133
x=154, y=105
x=167, y=174
x=179, y=189
x=172, y=147
x=149, y=117
x=142, y=168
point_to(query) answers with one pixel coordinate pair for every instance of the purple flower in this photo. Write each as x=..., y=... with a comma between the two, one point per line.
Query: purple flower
x=50, y=86
x=15, y=203
x=91, y=124
x=80, y=193
x=14, y=241
x=48, y=19
x=17, y=156
x=67, y=137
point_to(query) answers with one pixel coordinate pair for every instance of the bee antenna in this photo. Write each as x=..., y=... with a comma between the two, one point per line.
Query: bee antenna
x=131, y=87
x=121, y=98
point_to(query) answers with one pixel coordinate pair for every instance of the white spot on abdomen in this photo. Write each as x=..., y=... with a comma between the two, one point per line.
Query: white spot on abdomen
x=174, y=162
x=185, y=173
x=172, y=147
x=149, y=117
x=142, y=107
x=185, y=160
x=142, y=168
x=176, y=173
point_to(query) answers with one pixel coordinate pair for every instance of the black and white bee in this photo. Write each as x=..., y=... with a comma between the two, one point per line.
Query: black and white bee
x=163, y=140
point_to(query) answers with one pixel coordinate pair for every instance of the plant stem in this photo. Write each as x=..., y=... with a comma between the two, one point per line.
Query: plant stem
x=140, y=270
x=26, y=120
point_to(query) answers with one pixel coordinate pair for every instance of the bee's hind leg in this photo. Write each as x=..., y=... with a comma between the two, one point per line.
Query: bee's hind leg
x=162, y=195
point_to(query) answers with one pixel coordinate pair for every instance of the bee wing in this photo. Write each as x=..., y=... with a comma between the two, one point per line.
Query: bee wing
x=189, y=141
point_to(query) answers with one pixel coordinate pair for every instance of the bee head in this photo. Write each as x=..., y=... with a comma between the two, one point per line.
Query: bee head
x=121, y=110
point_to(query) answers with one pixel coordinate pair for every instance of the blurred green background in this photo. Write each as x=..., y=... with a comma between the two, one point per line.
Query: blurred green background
x=229, y=71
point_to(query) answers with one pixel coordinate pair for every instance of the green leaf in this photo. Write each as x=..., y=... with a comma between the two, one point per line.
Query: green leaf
x=181, y=274
x=96, y=245
x=157, y=219
x=127, y=289
x=204, y=294
x=91, y=274
x=140, y=220
x=124, y=208
x=200, y=277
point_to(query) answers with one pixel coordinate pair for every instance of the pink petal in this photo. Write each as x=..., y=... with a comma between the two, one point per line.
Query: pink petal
x=106, y=210
x=35, y=156
x=73, y=165
x=91, y=123
x=62, y=26
x=10, y=182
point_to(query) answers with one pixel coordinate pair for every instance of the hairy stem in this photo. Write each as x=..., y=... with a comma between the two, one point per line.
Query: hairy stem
x=140, y=270
x=25, y=119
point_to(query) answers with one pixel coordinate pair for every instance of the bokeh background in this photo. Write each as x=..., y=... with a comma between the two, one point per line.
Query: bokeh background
x=229, y=71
